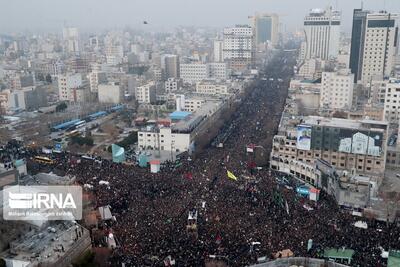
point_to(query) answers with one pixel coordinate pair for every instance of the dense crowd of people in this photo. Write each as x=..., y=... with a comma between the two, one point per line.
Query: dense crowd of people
x=237, y=220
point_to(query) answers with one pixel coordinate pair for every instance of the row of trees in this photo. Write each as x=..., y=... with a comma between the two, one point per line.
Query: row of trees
x=80, y=140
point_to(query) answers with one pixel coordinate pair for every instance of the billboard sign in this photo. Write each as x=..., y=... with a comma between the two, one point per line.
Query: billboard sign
x=304, y=137
x=302, y=190
x=361, y=142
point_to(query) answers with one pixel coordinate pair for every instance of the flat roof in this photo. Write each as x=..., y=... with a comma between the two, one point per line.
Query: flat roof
x=340, y=123
x=46, y=179
x=44, y=245
x=179, y=114
x=66, y=124
x=190, y=122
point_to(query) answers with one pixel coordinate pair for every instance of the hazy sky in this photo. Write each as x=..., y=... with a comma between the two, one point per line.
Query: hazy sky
x=20, y=15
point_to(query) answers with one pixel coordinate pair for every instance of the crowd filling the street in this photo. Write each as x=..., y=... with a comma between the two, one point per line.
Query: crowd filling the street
x=218, y=204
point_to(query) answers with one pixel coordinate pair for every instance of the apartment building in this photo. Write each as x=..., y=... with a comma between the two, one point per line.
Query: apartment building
x=392, y=101
x=212, y=87
x=146, y=94
x=337, y=90
x=194, y=72
x=66, y=83
x=239, y=47
x=380, y=46
x=172, y=84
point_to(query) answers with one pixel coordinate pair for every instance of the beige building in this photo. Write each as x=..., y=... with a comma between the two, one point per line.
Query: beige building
x=172, y=84
x=194, y=72
x=66, y=83
x=95, y=78
x=239, y=47
x=392, y=101
x=211, y=87
x=337, y=90
x=193, y=104
x=356, y=146
x=379, y=46
x=80, y=95
x=146, y=94
x=312, y=68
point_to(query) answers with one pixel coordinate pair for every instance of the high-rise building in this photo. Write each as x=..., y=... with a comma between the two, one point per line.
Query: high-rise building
x=71, y=39
x=379, y=48
x=266, y=28
x=114, y=54
x=95, y=78
x=146, y=94
x=194, y=72
x=239, y=46
x=218, y=51
x=322, y=33
x=170, y=65
x=66, y=83
x=219, y=71
x=392, y=101
x=357, y=42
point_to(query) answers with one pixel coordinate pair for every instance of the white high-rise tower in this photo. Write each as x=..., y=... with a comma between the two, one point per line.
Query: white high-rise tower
x=322, y=33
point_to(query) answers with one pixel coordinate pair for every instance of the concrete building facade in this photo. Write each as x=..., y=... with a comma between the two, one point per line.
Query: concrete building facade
x=211, y=87
x=239, y=47
x=266, y=28
x=337, y=90
x=170, y=65
x=218, y=51
x=379, y=47
x=110, y=93
x=322, y=33
x=392, y=101
x=66, y=83
x=146, y=94
x=195, y=72
x=356, y=146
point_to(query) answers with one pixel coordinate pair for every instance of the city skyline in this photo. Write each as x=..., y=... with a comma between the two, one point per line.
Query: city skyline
x=200, y=133
x=104, y=14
